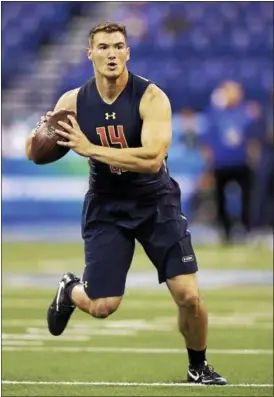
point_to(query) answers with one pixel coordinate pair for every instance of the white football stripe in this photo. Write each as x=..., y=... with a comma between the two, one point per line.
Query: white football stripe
x=147, y=384
x=134, y=350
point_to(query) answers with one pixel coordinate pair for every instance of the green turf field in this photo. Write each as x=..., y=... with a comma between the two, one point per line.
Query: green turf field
x=45, y=257
x=138, y=350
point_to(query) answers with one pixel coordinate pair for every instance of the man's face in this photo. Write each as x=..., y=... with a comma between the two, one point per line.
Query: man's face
x=234, y=93
x=109, y=54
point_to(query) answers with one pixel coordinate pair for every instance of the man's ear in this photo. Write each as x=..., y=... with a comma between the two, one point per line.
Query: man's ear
x=128, y=53
x=89, y=53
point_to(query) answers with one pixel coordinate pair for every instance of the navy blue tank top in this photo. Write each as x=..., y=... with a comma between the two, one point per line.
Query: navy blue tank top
x=119, y=126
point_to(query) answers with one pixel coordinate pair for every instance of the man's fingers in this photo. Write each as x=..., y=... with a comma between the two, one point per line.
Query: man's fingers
x=45, y=117
x=48, y=115
x=63, y=143
x=67, y=127
x=73, y=121
x=63, y=134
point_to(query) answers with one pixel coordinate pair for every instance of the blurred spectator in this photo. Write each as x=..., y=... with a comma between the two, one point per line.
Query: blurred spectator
x=193, y=125
x=232, y=122
x=262, y=213
x=189, y=127
x=185, y=150
x=202, y=202
x=188, y=124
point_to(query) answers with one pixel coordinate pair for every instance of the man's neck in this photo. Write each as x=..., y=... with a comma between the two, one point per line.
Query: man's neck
x=110, y=89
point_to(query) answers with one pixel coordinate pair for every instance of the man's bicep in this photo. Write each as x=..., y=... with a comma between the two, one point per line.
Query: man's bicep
x=157, y=127
x=157, y=136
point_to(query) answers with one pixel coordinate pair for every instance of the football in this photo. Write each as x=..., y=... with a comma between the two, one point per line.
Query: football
x=44, y=147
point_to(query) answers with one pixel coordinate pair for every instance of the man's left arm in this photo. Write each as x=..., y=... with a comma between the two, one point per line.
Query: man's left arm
x=155, y=111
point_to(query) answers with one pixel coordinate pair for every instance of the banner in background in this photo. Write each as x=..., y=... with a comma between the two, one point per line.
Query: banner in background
x=55, y=192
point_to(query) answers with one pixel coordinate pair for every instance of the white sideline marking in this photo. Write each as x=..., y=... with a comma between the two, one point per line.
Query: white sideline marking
x=21, y=343
x=153, y=384
x=80, y=338
x=76, y=349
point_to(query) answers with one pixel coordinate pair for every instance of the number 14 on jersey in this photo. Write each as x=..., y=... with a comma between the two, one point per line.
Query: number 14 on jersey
x=110, y=135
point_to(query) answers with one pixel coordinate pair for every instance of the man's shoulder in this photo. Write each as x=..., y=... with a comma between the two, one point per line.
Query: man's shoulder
x=70, y=94
x=68, y=100
x=154, y=97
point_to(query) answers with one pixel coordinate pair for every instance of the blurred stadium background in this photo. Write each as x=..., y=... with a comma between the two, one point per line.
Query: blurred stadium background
x=190, y=49
x=215, y=61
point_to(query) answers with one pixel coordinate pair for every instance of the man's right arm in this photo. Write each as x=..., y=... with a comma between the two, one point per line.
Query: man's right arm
x=67, y=101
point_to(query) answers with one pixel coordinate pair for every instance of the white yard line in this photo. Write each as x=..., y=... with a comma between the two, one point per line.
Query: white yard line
x=132, y=350
x=79, y=338
x=21, y=343
x=146, y=384
x=253, y=320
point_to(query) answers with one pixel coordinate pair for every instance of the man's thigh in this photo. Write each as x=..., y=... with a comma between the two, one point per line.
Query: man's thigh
x=108, y=254
x=167, y=242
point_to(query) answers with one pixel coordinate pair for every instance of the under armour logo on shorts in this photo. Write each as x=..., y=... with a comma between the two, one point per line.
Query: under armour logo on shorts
x=188, y=258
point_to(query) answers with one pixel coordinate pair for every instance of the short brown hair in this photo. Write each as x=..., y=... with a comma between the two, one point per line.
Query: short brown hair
x=108, y=27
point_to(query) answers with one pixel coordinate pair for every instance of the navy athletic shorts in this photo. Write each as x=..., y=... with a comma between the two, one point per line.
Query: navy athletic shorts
x=109, y=246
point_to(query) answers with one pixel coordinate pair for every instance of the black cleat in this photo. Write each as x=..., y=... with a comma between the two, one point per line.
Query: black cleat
x=205, y=375
x=61, y=308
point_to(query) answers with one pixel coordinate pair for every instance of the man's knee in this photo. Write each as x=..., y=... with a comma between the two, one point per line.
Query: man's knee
x=190, y=301
x=104, y=307
x=185, y=291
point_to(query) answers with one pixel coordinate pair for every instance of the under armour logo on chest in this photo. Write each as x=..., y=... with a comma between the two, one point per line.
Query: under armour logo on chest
x=110, y=115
